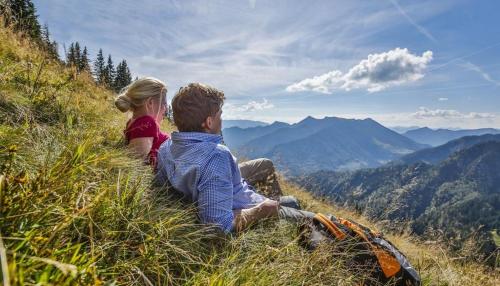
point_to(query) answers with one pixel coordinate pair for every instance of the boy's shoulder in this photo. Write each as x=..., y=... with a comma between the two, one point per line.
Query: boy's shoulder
x=219, y=161
x=223, y=151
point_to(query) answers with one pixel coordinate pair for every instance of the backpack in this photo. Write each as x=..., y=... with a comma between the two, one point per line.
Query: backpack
x=370, y=250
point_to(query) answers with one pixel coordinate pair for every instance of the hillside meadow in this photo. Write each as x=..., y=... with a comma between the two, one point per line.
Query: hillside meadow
x=77, y=209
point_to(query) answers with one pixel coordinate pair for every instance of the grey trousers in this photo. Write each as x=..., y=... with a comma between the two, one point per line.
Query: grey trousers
x=290, y=210
x=256, y=170
x=259, y=170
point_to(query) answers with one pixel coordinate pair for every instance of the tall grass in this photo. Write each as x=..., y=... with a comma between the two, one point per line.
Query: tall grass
x=76, y=209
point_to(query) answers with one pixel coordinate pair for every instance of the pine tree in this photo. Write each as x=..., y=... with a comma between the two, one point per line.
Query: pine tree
x=109, y=73
x=49, y=46
x=169, y=114
x=45, y=35
x=53, y=50
x=119, y=77
x=84, y=60
x=123, y=76
x=21, y=14
x=71, y=55
x=78, y=56
x=99, y=68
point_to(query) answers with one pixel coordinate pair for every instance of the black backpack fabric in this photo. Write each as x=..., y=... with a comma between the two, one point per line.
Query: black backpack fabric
x=370, y=250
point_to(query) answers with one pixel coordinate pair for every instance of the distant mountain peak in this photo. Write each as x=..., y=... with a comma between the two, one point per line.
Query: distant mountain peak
x=328, y=143
x=241, y=123
x=278, y=123
x=308, y=119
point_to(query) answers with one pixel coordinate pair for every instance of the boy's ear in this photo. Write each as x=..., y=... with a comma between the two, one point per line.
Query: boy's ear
x=207, y=124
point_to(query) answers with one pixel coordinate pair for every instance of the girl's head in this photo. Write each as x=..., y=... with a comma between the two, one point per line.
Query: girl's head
x=146, y=95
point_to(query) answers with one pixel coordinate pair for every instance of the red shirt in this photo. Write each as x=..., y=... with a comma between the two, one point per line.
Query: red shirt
x=146, y=126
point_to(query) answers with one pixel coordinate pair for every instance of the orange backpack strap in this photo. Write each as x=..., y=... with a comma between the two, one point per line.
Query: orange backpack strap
x=389, y=264
x=332, y=228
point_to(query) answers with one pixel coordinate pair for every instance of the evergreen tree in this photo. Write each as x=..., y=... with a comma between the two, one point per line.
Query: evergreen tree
x=78, y=56
x=109, y=73
x=21, y=14
x=71, y=55
x=53, y=50
x=169, y=114
x=45, y=35
x=99, y=68
x=49, y=46
x=123, y=76
x=84, y=61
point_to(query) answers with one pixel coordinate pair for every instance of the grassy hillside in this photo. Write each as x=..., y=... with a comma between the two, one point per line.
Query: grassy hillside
x=75, y=209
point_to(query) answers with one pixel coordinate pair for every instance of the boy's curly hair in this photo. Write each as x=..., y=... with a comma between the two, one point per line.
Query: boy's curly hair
x=193, y=103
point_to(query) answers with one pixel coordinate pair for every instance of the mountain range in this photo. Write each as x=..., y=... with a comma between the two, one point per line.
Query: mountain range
x=435, y=155
x=436, y=137
x=457, y=199
x=312, y=144
x=403, y=129
x=241, y=123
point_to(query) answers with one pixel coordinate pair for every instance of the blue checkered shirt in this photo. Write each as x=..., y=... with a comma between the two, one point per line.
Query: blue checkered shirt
x=205, y=171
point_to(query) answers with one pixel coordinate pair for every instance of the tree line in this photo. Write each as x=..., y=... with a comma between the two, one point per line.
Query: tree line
x=104, y=71
x=21, y=16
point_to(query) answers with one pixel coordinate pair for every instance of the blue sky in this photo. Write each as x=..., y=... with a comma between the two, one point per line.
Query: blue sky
x=402, y=63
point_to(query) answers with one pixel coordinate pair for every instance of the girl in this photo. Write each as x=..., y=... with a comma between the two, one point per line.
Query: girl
x=146, y=98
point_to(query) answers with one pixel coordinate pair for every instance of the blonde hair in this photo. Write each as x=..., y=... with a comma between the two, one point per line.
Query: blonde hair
x=135, y=94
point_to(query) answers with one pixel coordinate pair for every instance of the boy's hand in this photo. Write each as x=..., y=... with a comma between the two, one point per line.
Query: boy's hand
x=243, y=218
x=268, y=208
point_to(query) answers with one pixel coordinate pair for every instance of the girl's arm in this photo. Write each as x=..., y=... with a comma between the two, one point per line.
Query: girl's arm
x=141, y=146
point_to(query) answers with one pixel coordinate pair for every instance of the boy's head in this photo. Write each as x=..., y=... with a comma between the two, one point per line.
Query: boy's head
x=198, y=108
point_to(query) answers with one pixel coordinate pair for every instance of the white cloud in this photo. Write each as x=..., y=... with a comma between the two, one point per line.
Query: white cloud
x=323, y=83
x=377, y=72
x=254, y=105
x=244, y=111
x=424, y=113
x=443, y=98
